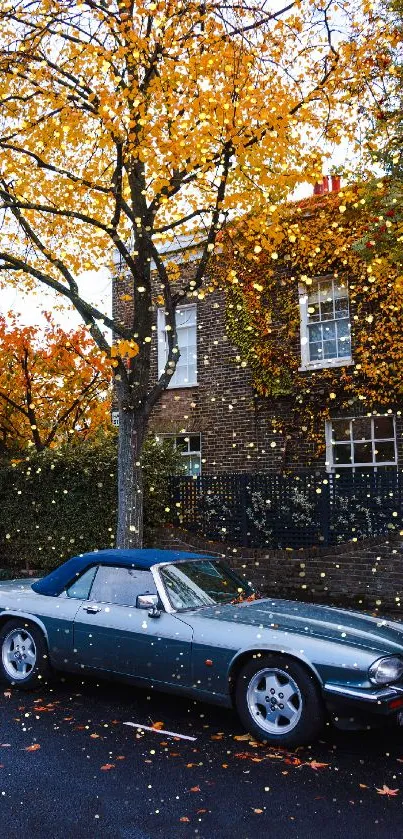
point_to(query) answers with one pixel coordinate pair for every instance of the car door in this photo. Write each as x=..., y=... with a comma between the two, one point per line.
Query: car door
x=111, y=633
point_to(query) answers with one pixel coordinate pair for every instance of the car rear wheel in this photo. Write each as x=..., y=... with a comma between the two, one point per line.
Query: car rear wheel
x=279, y=701
x=24, y=659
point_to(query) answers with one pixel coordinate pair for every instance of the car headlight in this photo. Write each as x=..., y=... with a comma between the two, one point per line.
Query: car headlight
x=385, y=670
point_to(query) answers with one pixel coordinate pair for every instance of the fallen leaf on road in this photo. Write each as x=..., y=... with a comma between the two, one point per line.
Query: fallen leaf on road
x=194, y=789
x=242, y=737
x=107, y=766
x=33, y=748
x=7, y=694
x=184, y=819
x=257, y=810
x=363, y=786
x=158, y=725
x=386, y=791
x=95, y=736
x=120, y=757
x=315, y=765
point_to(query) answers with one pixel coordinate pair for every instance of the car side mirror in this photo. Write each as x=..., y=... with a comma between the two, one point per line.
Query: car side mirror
x=150, y=602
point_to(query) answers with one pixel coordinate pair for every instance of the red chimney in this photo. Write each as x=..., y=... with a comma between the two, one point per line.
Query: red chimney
x=335, y=183
x=318, y=188
x=325, y=181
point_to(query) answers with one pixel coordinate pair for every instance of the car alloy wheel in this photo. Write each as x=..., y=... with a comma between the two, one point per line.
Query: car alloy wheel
x=279, y=700
x=24, y=660
x=19, y=654
x=274, y=700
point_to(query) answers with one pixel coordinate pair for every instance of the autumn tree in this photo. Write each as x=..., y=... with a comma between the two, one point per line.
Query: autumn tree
x=127, y=123
x=383, y=151
x=54, y=387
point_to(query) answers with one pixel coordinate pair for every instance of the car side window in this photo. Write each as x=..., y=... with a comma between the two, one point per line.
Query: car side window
x=121, y=586
x=81, y=588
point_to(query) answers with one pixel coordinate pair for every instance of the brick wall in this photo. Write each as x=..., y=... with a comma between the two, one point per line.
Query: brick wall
x=236, y=425
x=367, y=574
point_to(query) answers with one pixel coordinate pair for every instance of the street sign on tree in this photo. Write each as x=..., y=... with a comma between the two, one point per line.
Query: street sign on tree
x=124, y=124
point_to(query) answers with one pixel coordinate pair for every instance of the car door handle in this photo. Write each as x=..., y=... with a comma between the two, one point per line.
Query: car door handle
x=92, y=609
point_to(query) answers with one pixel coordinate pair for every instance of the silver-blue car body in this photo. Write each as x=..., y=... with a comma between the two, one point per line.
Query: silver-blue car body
x=186, y=623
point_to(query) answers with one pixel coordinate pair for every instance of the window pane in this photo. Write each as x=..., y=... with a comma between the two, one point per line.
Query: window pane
x=313, y=311
x=329, y=331
x=329, y=349
x=340, y=289
x=362, y=453
x=193, y=467
x=341, y=307
x=341, y=429
x=315, y=332
x=385, y=452
x=342, y=454
x=315, y=352
x=343, y=348
x=343, y=328
x=194, y=442
x=362, y=428
x=182, y=443
x=326, y=310
x=383, y=428
x=121, y=585
x=186, y=317
x=326, y=292
x=81, y=588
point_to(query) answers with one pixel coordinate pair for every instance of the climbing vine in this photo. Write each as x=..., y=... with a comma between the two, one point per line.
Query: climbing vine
x=299, y=244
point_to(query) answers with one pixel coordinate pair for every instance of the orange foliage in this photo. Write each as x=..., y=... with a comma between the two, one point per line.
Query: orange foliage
x=52, y=388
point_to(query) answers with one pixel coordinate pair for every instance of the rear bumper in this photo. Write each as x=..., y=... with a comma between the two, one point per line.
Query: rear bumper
x=356, y=708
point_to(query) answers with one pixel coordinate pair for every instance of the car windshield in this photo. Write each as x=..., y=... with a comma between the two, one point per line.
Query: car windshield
x=190, y=585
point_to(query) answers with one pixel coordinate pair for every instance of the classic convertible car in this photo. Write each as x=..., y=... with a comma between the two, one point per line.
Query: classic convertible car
x=187, y=623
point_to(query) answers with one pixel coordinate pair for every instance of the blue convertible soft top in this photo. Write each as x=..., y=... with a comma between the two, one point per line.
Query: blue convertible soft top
x=59, y=579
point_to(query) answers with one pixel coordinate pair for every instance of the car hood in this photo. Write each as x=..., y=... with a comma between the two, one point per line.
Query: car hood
x=17, y=585
x=315, y=621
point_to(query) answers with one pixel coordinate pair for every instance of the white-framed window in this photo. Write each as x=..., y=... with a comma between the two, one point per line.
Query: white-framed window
x=186, y=370
x=361, y=442
x=189, y=445
x=325, y=324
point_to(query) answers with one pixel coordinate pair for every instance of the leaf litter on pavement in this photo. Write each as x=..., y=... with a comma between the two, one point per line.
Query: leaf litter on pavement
x=240, y=747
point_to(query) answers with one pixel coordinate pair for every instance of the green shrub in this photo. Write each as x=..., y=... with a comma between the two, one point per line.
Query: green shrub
x=62, y=502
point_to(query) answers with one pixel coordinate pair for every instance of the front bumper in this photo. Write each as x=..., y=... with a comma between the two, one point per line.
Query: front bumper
x=358, y=708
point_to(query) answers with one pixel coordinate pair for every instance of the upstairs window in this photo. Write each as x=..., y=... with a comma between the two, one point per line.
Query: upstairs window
x=186, y=369
x=361, y=442
x=325, y=324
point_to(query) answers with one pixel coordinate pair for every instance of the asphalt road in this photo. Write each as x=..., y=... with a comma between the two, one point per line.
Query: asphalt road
x=69, y=767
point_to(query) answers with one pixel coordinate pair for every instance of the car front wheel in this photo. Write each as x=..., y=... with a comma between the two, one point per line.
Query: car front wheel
x=279, y=702
x=24, y=659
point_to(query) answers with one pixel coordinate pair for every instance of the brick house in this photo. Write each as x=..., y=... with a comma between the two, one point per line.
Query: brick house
x=217, y=419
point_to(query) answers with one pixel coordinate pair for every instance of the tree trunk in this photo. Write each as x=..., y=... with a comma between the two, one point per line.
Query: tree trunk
x=132, y=427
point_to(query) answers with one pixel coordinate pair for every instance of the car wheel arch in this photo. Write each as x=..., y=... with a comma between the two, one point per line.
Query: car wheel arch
x=5, y=617
x=243, y=656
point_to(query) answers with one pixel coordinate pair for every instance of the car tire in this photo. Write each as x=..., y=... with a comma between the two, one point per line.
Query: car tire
x=279, y=701
x=24, y=659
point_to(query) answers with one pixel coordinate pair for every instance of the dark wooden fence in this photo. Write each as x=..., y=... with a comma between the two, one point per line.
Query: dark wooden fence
x=295, y=511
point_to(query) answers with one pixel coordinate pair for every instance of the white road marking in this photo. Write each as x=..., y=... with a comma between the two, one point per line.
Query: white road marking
x=160, y=731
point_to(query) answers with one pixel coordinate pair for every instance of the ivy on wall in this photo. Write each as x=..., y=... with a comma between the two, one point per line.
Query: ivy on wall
x=302, y=242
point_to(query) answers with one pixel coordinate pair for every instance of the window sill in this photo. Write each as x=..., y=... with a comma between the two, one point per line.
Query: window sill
x=325, y=365
x=182, y=387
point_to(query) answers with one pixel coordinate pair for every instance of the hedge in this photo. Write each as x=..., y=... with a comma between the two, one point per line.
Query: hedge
x=64, y=501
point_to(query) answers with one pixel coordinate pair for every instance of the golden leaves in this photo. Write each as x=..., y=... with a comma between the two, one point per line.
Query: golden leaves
x=124, y=348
